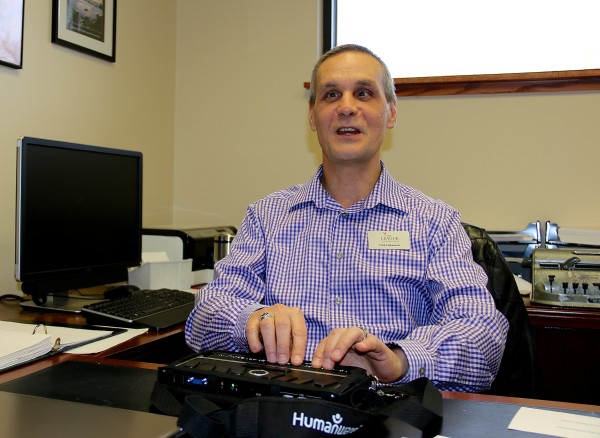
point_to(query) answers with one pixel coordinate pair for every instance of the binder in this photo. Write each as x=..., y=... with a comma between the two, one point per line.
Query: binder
x=21, y=343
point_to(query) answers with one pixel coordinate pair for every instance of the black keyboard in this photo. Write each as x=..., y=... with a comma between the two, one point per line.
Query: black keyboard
x=156, y=309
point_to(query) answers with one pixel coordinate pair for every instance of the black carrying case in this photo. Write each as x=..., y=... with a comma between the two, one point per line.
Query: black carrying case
x=354, y=406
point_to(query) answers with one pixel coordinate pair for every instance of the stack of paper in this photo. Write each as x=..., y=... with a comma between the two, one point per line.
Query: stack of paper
x=21, y=342
x=16, y=348
x=579, y=235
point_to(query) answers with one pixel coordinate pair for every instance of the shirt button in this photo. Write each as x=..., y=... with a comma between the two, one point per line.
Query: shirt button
x=421, y=371
x=338, y=300
x=339, y=256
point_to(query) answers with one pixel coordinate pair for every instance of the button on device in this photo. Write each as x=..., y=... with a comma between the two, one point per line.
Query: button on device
x=206, y=367
x=238, y=370
x=287, y=378
x=192, y=363
x=324, y=382
x=258, y=373
x=275, y=375
x=303, y=380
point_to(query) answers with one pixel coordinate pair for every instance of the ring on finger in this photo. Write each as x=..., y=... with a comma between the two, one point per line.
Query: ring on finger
x=365, y=333
x=265, y=315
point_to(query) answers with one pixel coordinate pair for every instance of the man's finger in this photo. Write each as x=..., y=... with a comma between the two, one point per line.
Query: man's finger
x=253, y=334
x=266, y=324
x=350, y=337
x=299, y=337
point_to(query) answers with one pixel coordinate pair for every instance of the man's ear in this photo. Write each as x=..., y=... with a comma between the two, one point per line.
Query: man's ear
x=311, y=117
x=393, y=115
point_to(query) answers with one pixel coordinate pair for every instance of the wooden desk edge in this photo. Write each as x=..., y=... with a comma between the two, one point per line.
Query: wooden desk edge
x=520, y=401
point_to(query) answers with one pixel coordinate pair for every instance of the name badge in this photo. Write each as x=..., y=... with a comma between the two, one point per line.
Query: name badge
x=388, y=239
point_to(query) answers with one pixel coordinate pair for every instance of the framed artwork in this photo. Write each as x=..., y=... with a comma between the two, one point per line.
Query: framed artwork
x=11, y=32
x=88, y=26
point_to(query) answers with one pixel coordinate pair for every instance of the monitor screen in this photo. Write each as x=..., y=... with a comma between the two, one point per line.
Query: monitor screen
x=78, y=216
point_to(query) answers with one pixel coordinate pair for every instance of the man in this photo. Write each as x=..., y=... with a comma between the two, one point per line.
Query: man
x=353, y=268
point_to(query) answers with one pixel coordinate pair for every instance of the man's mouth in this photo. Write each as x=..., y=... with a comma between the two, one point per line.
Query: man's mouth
x=348, y=131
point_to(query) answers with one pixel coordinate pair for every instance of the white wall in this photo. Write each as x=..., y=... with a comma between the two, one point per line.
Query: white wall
x=241, y=106
x=63, y=94
x=504, y=160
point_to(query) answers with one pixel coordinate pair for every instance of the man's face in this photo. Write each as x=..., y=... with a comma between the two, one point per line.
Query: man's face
x=350, y=113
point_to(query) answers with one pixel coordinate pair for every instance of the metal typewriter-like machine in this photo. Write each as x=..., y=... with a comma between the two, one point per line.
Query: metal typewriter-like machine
x=562, y=273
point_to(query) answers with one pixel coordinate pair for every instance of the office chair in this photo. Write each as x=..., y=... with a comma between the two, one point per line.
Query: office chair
x=518, y=373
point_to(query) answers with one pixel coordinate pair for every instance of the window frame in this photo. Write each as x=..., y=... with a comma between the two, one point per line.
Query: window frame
x=551, y=81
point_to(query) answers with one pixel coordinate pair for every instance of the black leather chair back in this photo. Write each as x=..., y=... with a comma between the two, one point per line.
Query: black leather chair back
x=518, y=373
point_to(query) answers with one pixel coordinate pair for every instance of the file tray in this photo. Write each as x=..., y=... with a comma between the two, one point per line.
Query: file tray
x=567, y=278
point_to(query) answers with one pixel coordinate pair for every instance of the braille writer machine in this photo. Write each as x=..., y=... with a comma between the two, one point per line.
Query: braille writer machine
x=566, y=277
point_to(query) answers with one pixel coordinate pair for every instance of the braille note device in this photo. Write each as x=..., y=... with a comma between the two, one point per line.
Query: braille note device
x=242, y=375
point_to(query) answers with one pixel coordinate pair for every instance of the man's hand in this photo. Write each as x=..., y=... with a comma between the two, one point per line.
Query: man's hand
x=281, y=330
x=354, y=347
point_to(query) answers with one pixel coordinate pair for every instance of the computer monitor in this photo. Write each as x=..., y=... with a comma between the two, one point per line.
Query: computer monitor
x=78, y=217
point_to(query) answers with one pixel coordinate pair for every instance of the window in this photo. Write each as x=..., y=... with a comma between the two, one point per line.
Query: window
x=474, y=46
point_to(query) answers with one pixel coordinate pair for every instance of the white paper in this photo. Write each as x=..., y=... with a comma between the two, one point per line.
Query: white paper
x=554, y=423
x=18, y=343
x=579, y=235
x=16, y=348
x=68, y=335
x=105, y=344
x=524, y=286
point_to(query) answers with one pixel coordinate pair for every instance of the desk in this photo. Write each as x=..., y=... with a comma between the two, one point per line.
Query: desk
x=144, y=353
x=567, y=342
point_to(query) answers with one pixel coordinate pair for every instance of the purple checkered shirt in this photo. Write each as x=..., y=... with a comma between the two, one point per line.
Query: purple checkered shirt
x=299, y=247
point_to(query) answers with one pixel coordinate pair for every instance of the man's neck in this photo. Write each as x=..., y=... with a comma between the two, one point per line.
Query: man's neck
x=350, y=183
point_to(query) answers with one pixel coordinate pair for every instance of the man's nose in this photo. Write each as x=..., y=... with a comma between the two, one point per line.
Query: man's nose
x=347, y=106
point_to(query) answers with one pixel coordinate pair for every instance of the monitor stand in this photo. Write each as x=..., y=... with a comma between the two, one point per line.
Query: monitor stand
x=59, y=304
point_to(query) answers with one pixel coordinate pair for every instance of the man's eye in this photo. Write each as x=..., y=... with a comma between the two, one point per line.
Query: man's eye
x=331, y=95
x=363, y=93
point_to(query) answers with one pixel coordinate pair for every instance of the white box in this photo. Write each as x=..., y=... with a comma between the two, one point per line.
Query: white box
x=163, y=275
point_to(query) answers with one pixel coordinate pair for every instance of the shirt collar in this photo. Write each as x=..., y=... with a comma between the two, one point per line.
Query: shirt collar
x=386, y=192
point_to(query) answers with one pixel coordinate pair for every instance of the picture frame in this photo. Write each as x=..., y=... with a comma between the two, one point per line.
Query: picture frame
x=12, y=19
x=88, y=26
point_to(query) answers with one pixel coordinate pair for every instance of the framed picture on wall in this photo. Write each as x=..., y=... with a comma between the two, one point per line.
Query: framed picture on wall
x=88, y=26
x=11, y=32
